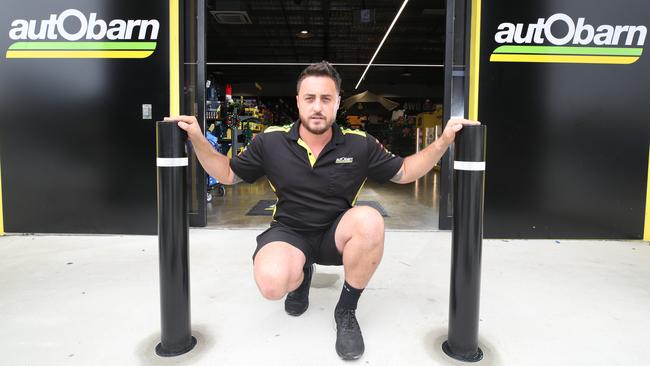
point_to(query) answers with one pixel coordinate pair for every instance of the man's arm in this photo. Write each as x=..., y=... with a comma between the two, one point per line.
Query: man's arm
x=215, y=163
x=419, y=164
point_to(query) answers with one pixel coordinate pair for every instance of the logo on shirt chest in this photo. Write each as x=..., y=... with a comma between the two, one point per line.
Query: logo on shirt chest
x=344, y=160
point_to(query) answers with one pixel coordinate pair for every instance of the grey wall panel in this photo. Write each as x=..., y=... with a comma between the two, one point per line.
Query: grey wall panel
x=76, y=155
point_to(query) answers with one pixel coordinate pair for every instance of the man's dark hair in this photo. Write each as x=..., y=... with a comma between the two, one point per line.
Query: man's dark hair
x=322, y=68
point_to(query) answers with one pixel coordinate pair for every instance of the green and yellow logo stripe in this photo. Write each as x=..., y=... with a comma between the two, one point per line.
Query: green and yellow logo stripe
x=81, y=50
x=566, y=54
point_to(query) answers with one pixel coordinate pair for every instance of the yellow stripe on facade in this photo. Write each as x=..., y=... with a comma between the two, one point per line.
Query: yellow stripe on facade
x=79, y=54
x=174, y=69
x=570, y=59
x=475, y=59
x=646, y=227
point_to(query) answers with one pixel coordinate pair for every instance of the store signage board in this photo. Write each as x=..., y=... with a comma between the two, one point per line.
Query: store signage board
x=561, y=39
x=73, y=34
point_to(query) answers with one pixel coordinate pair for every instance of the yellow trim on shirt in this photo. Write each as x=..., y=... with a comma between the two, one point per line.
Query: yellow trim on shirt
x=285, y=128
x=358, y=192
x=275, y=206
x=346, y=131
x=310, y=154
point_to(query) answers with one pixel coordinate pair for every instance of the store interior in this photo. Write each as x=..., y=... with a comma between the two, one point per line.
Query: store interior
x=254, y=53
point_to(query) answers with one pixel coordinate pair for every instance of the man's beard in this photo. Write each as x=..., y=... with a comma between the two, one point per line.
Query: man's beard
x=321, y=130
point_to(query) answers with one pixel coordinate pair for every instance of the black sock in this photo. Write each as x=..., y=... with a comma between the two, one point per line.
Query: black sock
x=349, y=297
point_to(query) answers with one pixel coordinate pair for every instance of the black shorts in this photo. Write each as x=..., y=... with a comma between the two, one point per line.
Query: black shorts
x=319, y=246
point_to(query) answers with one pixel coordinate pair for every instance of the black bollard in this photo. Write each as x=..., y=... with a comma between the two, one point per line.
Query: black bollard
x=173, y=223
x=467, y=237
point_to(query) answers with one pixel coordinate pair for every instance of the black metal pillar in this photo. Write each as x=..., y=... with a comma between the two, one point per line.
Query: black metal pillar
x=467, y=237
x=173, y=222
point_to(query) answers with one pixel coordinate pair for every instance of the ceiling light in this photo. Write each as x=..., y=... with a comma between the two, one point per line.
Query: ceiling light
x=382, y=42
x=304, y=34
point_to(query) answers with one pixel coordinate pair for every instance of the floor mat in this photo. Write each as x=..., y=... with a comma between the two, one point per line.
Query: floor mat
x=265, y=208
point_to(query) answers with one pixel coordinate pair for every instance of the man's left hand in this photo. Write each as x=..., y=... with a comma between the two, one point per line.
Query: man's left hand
x=453, y=126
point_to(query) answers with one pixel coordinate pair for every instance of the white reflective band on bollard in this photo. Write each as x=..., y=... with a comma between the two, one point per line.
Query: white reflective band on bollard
x=171, y=162
x=476, y=166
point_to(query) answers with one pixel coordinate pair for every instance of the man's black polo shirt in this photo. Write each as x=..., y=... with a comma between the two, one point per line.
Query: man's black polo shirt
x=312, y=192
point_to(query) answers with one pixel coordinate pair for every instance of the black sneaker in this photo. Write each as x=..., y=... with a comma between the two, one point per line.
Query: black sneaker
x=297, y=301
x=349, y=341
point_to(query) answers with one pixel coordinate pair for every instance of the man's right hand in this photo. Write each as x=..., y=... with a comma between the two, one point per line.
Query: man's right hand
x=214, y=163
x=189, y=124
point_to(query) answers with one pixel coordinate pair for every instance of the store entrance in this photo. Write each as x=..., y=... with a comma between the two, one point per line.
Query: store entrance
x=253, y=61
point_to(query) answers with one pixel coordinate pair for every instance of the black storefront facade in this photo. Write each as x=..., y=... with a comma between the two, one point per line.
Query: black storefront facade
x=561, y=87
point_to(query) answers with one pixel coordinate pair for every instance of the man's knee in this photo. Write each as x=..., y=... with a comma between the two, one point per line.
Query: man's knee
x=271, y=282
x=369, y=224
x=278, y=269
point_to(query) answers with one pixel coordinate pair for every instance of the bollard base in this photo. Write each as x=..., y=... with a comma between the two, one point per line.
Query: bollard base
x=472, y=358
x=163, y=353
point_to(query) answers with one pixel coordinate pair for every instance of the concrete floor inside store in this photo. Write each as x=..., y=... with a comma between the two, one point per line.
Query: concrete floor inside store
x=411, y=206
x=94, y=300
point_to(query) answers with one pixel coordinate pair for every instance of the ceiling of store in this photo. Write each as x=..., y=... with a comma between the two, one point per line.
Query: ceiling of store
x=338, y=31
